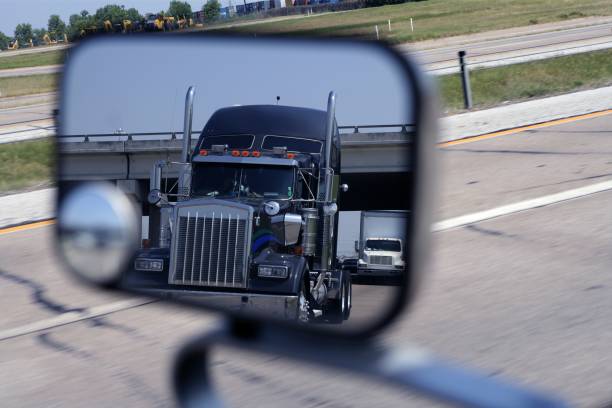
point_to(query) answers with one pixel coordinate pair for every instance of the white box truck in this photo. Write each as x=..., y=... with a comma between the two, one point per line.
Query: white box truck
x=378, y=242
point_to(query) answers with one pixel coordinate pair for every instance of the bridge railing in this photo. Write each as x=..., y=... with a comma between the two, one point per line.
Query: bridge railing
x=122, y=136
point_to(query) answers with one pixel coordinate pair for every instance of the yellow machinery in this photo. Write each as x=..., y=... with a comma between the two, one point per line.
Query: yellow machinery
x=170, y=22
x=48, y=40
x=185, y=22
x=108, y=26
x=159, y=23
x=127, y=26
x=14, y=45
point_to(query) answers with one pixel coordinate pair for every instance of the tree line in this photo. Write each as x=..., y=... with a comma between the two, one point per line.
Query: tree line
x=58, y=30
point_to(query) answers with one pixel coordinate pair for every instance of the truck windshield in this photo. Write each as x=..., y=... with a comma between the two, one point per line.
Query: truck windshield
x=241, y=180
x=383, y=245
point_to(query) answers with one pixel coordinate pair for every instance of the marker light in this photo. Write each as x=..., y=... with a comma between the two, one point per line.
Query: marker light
x=235, y=153
x=203, y=152
x=290, y=155
x=256, y=153
x=245, y=153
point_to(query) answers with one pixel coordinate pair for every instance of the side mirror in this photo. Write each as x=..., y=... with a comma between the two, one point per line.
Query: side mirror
x=227, y=223
x=98, y=232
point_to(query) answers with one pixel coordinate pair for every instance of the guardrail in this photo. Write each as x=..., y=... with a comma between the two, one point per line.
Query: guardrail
x=173, y=135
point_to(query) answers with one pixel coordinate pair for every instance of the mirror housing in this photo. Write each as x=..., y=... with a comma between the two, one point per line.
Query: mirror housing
x=182, y=230
x=97, y=232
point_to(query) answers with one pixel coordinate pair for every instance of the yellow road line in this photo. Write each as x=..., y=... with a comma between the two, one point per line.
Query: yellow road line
x=26, y=227
x=524, y=128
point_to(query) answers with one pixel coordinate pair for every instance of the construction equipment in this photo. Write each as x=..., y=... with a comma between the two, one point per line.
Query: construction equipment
x=183, y=23
x=48, y=40
x=14, y=45
x=127, y=26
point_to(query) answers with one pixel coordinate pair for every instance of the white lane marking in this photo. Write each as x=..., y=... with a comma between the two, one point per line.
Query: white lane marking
x=72, y=317
x=521, y=206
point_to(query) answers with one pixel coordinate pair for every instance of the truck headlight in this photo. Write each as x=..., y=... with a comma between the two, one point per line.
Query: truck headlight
x=268, y=271
x=143, y=264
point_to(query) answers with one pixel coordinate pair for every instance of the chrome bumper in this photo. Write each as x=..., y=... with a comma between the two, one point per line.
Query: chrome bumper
x=278, y=306
x=375, y=271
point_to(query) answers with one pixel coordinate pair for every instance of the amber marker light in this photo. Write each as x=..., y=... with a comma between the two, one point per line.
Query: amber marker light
x=290, y=155
x=256, y=154
x=245, y=153
x=235, y=153
x=203, y=152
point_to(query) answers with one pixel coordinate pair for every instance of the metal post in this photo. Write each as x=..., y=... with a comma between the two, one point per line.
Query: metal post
x=465, y=81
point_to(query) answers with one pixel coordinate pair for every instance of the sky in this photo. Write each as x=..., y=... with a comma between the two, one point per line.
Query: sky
x=139, y=84
x=37, y=12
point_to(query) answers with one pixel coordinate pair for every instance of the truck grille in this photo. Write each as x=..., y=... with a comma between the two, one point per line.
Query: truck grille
x=381, y=260
x=210, y=246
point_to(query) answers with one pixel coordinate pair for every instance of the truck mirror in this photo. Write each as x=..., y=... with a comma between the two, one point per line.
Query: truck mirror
x=232, y=222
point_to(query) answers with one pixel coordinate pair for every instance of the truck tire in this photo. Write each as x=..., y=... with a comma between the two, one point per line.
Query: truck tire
x=339, y=309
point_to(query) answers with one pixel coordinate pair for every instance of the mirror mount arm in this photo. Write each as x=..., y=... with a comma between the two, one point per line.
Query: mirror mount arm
x=408, y=368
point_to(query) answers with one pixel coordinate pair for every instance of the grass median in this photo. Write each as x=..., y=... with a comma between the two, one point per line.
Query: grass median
x=25, y=165
x=513, y=83
x=435, y=18
x=32, y=60
x=28, y=85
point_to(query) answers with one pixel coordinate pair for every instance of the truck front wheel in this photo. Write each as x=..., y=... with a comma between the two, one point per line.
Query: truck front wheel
x=339, y=309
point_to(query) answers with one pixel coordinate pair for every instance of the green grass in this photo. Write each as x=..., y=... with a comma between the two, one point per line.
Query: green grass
x=493, y=86
x=27, y=85
x=436, y=18
x=32, y=60
x=26, y=164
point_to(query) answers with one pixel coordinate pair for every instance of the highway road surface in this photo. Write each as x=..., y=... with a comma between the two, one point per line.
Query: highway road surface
x=22, y=51
x=524, y=297
x=26, y=114
x=509, y=49
x=45, y=69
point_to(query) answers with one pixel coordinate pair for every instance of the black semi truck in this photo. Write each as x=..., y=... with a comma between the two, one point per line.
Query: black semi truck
x=253, y=221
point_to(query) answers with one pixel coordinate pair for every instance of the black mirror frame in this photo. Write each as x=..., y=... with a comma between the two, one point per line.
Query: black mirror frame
x=422, y=157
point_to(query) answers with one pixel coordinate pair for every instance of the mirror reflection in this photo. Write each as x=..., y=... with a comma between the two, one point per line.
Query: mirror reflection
x=270, y=176
x=97, y=231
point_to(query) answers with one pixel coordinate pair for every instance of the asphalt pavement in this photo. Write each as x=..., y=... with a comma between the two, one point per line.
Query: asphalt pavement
x=25, y=114
x=525, y=297
x=521, y=46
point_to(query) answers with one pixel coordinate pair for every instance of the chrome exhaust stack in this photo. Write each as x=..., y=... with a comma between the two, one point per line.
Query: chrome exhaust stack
x=329, y=139
x=326, y=178
x=185, y=173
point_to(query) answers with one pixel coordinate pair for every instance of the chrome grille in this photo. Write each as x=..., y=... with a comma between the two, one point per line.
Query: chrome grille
x=381, y=260
x=210, y=246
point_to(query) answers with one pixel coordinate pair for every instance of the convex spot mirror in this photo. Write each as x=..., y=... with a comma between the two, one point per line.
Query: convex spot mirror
x=267, y=177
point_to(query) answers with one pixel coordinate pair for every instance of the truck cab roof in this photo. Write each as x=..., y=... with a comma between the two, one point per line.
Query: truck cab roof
x=267, y=120
x=263, y=127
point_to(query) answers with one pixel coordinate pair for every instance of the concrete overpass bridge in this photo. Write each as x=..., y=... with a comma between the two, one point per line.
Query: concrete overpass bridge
x=375, y=161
